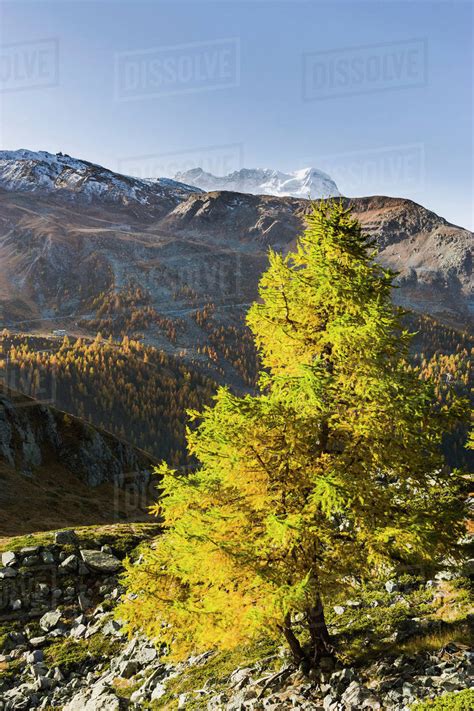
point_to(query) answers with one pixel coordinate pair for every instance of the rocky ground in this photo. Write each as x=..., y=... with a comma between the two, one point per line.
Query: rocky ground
x=61, y=648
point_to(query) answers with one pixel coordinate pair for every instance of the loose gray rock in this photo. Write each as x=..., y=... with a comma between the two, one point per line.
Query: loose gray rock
x=67, y=537
x=70, y=563
x=9, y=558
x=50, y=620
x=83, y=601
x=35, y=657
x=8, y=573
x=78, y=631
x=100, y=561
x=38, y=641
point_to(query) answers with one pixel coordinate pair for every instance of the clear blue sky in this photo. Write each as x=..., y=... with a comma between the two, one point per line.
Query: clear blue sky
x=401, y=124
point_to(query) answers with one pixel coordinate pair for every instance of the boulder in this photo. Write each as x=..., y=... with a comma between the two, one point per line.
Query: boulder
x=70, y=563
x=145, y=654
x=29, y=550
x=104, y=701
x=67, y=537
x=358, y=697
x=8, y=573
x=8, y=558
x=112, y=627
x=34, y=657
x=50, y=620
x=47, y=557
x=32, y=560
x=240, y=678
x=38, y=641
x=100, y=561
x=83, y=601
x=127, y=669
x=78, y=631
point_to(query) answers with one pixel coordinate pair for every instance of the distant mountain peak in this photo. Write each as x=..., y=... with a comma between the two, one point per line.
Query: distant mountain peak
x=302, y=183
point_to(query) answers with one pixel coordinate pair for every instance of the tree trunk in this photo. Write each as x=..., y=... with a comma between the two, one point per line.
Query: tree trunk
x=293, y=642
x=320, y=645
x=320, y=640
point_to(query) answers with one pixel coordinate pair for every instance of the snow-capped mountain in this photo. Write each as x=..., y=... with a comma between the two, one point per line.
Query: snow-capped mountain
x=305, y=183
x=43, y=172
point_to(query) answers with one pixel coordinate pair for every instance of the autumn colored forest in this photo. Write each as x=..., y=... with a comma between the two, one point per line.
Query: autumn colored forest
x=141, y=394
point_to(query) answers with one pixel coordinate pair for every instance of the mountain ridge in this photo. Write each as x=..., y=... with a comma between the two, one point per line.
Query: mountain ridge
x=71, y=263
x=42, y=172
x=306, y=183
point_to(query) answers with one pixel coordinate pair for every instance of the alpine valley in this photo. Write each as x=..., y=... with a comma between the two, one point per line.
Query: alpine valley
x=107, y=259
x=122, y=304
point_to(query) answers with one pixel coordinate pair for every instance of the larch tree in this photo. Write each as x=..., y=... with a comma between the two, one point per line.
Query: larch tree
x=329, y=475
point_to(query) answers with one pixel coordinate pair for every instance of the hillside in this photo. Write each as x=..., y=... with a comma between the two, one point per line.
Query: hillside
x=175, y=272
x=405, y=640
x=144, y=266
x=56, y=470
x=81, y=181
x=135, y=392
x=141, y=394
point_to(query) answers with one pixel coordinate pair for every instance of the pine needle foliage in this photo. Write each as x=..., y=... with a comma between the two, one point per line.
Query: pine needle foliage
x=329, y=475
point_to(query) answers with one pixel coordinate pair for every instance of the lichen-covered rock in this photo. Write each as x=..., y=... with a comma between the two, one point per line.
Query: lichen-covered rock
x=67, y=537
x=100, y=561
x=50, y=620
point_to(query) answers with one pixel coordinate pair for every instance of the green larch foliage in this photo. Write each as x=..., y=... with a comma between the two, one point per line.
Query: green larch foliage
x=329, y=475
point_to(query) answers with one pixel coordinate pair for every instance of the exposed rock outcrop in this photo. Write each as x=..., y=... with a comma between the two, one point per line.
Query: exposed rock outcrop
x=32, y=434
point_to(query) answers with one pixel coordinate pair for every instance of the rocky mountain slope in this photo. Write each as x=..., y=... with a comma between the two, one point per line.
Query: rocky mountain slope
x=305, y=183
x=44, y=173
x=60, y=646
x=86, y=250
x=433, y=257
x=49, y=461
x=57, y=258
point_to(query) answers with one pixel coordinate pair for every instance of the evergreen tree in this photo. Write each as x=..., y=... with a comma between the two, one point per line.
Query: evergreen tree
x=329, y=475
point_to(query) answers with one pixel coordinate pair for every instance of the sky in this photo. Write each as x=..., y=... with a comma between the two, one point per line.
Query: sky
x=377, y=94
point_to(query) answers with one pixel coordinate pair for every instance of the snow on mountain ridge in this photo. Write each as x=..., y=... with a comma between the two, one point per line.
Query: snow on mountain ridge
x=30, y=171
x=302, y=183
